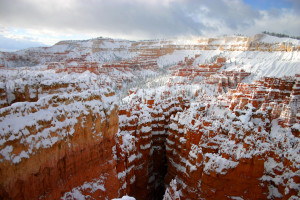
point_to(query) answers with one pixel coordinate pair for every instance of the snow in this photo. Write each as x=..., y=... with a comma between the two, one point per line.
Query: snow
x=218, y=164
x=128, y=141
x=261, y=64
x=125, y=198
x=271, y=165
x=272, y=39
x=273, y=192
x=175, y=193
x=175, y=57
x=68, y=103
x=79, y=89
x=146, y=146
x=5, y=152
x=114, y=50
x=131, y=158
x=132, y=180
x=146, y=129
x=236, y=198
x=78, y=193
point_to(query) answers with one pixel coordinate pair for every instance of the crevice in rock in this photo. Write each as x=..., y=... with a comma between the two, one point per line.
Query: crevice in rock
x=161, y=164
x=141, y=144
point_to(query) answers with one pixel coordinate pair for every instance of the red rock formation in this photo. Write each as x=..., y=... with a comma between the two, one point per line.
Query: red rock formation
x=70, y=144
x=239, y=144
x=279, y=94
x=147, y=51
x=30, y=87
x=240, y=154
x=141, y=143
x=221, y=60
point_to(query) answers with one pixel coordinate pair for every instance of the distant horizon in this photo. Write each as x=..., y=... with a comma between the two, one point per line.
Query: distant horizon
x=31, y=23
x=123, y=39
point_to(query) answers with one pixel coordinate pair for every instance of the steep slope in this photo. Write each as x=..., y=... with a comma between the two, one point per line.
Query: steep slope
x=58, y=142
x=247, y=148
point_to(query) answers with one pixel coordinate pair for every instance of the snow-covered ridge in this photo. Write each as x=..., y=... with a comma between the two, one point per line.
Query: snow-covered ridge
x=57, y=103
x=104, y=50
x=272, y=39
x=52, y=117
x=31, y=85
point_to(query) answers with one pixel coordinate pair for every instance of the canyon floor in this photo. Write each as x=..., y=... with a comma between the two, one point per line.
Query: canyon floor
x=204, y=118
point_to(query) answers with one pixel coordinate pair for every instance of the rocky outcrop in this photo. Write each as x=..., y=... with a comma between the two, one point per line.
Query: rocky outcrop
x=59, y=143
x=29, y=86
x=106, y=49
x=79, y=145
x=280, y=95
x=141, y=152
x=241, y=152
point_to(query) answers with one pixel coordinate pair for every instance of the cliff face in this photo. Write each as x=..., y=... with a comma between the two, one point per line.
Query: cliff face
x=59, y=142
x=246, y=151
x=106, y=50
x=276, y=94
x=241, y=145
x=141, y=141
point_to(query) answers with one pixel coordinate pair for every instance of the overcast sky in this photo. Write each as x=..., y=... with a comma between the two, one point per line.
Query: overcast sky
x=28, y=23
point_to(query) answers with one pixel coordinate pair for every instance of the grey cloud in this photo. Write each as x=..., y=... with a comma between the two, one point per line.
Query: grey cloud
x=120, y=17
x=129, y=18
x=274, y=12
x=233, y=14
x=296, y=5
x=123, y=17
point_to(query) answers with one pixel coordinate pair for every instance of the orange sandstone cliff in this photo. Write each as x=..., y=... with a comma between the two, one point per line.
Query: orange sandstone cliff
x=59, y=142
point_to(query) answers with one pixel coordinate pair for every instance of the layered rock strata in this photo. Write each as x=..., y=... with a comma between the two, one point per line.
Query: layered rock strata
x=208, y=135
x=58, y=143
x=104, y=49
x=242, y=152
x=141, y=152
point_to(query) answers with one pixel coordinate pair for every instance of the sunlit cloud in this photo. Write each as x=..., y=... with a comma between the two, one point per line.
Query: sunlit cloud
x=48, y=22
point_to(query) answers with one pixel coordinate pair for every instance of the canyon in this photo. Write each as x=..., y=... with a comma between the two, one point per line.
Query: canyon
x=202, y=118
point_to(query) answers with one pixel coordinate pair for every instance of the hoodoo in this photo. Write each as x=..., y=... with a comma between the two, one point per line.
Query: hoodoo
x=210, y=118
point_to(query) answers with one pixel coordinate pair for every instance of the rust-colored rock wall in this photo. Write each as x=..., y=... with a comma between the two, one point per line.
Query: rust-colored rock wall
x=50, y=155
x=246, y=151
x=141, y=154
